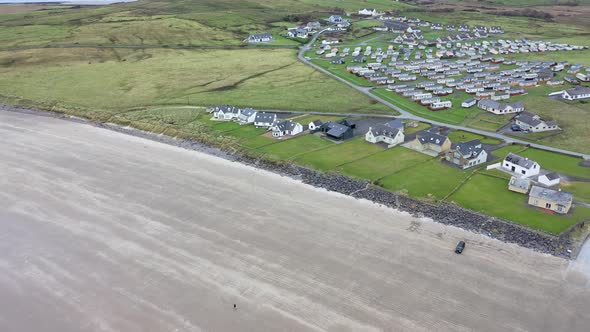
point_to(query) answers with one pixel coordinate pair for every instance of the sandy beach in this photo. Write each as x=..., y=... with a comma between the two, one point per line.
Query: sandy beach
x=101, y=231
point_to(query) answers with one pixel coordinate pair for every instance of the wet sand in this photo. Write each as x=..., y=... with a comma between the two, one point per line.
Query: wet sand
x=101, y=231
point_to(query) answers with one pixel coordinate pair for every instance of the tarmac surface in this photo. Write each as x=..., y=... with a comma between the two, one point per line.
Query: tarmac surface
x=101, y=231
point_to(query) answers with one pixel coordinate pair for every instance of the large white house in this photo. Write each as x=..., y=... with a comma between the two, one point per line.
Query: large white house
x=368, y=12
x=225, y=112
x=286, y=127
x=264, y=37
x=264, y=119
x=386, y=134
x=576, y=93
x=247, y=115
x=520, y=165
x=500, y=108
x=467, y=154
x=533, y=123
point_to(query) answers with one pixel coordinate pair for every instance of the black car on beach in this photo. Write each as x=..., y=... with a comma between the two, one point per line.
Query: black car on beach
x=460, y=247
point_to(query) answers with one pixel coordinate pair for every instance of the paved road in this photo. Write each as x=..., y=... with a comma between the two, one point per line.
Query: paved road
x=407, y=115
x=105, y=232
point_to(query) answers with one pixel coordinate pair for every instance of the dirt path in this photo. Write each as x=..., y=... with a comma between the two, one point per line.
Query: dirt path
x=105, y=232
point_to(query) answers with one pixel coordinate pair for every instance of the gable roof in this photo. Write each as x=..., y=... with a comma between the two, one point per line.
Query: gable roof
x=286, y=125
x=431, y=137
x=383, y=130
x=520, y=161
x=469, y=149
x=578, y=91
x=265, y=117
x=336, y=129
x=248, y=112
x=529, y=118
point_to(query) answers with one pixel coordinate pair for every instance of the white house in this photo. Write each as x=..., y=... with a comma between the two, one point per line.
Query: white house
x=263, y=119
x=386, y=134
x=576, y=93
x=286, y=127
x=368, y=12
x=520, y=165
x=225, y=112
x=314, y=125
x=500, y=108
x=550, y=179
x=264, y=37
x=533, y=123
x=297, y=33
x=336, y=19
x=247, y=115
x=469, y=102
x=467, y=154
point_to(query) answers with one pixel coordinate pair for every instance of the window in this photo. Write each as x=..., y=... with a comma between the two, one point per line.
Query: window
x=548, y=205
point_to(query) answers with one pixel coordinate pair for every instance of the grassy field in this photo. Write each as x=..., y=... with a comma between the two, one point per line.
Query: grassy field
x=566, y=165
x=383, y=163
x=295, y=146
x=330, y=158
x=491, y=196
x=458, y=136
x=114, y=80
x=431, y=180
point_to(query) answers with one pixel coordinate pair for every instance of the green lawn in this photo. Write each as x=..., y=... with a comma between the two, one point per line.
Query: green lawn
x=458, y=136
x=557, y=162
x=289, y=148
x=246, y=131
x=432, y=180
x=581, y=190
x=328, y=159
x=490, y=195
x=504, y=151
x=421, y=126
x=383, y=163
x=257, y=142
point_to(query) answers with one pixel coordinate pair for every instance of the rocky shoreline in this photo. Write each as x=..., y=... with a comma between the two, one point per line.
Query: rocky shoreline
x=445, y=213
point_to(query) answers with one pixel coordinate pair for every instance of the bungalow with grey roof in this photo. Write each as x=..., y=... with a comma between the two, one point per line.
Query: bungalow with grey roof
x=554, y=200
x=500, y=108
x=576, y=93
x=533, y=123
x=467, y=154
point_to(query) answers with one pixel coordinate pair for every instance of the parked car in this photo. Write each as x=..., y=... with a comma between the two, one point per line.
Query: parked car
x=460, y=247
x=515, y=127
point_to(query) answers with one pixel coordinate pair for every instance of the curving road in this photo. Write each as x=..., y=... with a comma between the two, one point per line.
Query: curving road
x=407, y=115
